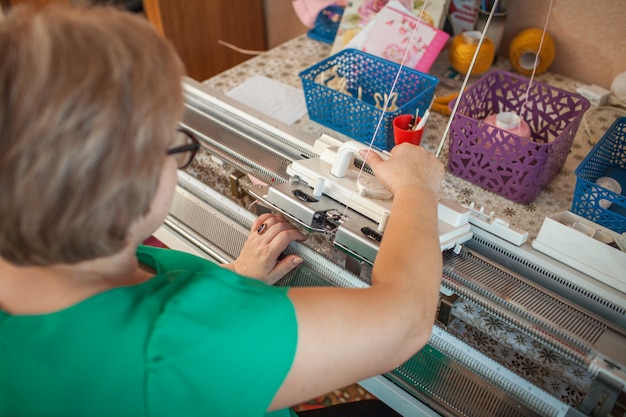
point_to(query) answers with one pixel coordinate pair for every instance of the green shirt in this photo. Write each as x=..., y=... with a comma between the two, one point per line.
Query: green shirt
x=195, y=340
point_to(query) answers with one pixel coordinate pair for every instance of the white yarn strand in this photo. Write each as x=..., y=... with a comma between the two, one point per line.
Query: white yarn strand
x=532, y=75
x=466, y=79
x=393, y=87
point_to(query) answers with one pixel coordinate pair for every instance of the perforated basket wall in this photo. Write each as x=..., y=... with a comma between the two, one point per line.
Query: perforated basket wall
x=326, y=24
x=356, y=118
x=606, y=159
x=505, y=163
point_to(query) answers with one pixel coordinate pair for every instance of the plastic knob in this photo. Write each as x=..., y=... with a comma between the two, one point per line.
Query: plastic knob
x=373, y=188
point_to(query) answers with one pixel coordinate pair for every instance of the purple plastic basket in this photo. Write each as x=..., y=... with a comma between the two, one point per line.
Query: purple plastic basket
x=502, y=162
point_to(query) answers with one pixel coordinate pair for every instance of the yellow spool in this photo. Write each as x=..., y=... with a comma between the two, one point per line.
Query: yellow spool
x=462, y=51
x=524, y=49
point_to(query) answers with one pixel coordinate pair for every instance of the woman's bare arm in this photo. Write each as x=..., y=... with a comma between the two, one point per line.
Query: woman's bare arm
x=345, y=335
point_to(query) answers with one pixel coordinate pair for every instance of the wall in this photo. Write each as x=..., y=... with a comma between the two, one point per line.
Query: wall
x=196, y=27
x=281, y=22
x=590, y=36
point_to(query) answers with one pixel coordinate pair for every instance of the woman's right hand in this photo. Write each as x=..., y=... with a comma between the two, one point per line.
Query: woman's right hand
x=409, y=165
x=261, y=255
x=368, y=331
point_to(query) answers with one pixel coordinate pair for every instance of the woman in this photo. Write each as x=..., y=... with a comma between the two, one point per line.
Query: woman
x=93, y=323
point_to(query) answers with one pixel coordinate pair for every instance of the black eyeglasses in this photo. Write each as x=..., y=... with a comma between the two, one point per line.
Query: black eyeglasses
x=185, y=150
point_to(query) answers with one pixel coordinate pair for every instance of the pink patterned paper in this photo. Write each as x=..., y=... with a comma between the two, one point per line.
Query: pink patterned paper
x=394, y=32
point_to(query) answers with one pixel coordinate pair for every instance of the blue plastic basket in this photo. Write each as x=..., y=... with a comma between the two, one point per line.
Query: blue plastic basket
x=356, y=118
x=326, y=24
x=606, y=159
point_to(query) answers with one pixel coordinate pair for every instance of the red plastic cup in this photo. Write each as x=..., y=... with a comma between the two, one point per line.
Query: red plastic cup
x=402, y=131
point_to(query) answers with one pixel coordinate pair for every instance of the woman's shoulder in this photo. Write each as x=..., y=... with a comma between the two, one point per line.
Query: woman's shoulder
x=217, y=322
x=161, y=259
x=193, y=281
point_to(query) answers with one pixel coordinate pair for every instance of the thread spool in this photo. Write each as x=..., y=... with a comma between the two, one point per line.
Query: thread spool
x=510, y=122
x=610, y=184
x=524, y=49
x=618, y=86
x=462, y=51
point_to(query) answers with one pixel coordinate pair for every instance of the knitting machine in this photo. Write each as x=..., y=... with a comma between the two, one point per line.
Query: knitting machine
x=518, y=332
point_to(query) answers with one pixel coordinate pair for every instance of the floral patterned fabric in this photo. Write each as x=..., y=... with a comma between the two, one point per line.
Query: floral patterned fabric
x=518, y=352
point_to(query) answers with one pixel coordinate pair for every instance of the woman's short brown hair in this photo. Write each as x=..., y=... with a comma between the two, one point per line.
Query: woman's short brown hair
x=89, y=100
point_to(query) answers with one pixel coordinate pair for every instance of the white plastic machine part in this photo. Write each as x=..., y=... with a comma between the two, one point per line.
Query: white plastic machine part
x=372, y=200
x=496, y=225
x=585, y=246
x=363, y=193
x=173, y=240
x=335, y=167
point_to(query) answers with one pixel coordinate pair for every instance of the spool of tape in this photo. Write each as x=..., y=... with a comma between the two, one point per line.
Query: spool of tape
x=610, y=184
x=462, y=51
x=524, y=51
x=618, y=86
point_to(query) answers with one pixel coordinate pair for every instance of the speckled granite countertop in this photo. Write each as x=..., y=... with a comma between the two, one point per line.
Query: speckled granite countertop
x=284, y=62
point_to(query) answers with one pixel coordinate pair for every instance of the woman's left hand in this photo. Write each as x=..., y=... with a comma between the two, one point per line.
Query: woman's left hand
x=269, y=236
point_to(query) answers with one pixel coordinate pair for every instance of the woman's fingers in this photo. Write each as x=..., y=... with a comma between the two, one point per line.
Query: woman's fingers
x=270, y=234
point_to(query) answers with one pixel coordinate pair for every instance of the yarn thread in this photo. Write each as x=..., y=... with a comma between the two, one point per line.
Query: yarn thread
x=463, y=48
x=526, y=51
x=481, y=41
x=542, y=38
x=386, y=104
x=618, y=86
